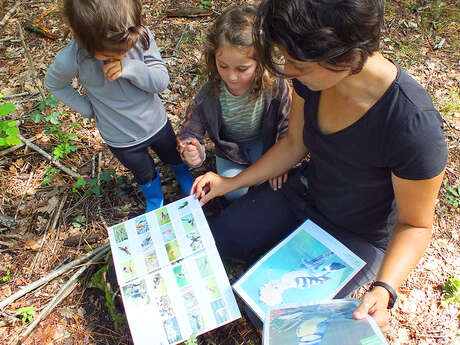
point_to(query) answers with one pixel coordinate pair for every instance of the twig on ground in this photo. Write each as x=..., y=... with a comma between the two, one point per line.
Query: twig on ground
x=39, y=253
x=22, y=94
x=9, y=39
x=14, y=148
x=99, y=208
x=65, y=290
x=23, y=195
x=6, y=244
x=55, y=220
x=69, y=171
x=8, y=222
x=176, y=49
x=56, y=273
x=9, y=13
x=32, y=71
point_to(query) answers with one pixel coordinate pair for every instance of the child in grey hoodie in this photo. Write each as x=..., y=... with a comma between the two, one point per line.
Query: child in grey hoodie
x=118, y=63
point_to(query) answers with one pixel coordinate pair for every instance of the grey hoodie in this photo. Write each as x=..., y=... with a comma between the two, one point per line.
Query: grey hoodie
x=128, y=110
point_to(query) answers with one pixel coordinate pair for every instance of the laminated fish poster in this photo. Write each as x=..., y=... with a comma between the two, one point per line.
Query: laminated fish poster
x=324, y=323
x=308, y=265
x=171, y=278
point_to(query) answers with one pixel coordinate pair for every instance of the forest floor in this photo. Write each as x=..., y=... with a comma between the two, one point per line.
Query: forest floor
x=46, y=220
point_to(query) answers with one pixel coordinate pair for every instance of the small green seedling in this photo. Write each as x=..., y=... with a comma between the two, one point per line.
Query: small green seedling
x=8, y=129
x=451, y=292
x=6, y=277
x=206, y=4
x=26, y=313
x=79, y=221
x=453, y=195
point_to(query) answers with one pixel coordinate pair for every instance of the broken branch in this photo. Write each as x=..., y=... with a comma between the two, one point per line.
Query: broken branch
x=56, y=273
x=71, y=172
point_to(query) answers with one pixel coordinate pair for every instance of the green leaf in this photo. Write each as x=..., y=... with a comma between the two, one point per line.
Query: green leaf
x=36, y=116
x=12, y=131
x=6, y=108
x=13, y=141
x=3, y=142
x=80, y=183
x=206, y=3
x=75, y=125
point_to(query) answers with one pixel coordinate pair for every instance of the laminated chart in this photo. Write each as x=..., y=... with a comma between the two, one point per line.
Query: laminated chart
x=171, y=277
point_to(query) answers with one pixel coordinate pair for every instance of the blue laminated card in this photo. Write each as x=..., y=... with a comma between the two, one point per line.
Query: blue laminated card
x=309, y=265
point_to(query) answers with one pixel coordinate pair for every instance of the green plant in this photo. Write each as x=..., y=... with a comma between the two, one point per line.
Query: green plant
x=6, y=277
x=92, y=187
x=8, y=129
x=44, y=113
x=79, y=221
x=49, y=174
x=98, y=280
x=192, y=340
x=206, y=4
x=451, y=292
x=26, y=313
x=453, y=195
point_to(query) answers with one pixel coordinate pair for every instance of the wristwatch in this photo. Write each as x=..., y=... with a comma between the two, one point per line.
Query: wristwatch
x=391, y=291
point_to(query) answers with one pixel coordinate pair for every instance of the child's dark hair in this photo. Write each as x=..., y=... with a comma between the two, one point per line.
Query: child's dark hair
x=338, y=34
x=234, y=26
x=106, y=25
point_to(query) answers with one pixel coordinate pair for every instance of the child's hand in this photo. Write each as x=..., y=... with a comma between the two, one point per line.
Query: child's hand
x=191, y=154
x=277, y=182
x=112, y=70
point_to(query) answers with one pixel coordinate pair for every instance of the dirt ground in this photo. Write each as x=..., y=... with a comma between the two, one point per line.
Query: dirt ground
x=45, y=225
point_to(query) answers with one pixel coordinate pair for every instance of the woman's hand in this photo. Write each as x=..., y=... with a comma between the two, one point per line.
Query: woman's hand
x=277, y=182
x=374, y=303
x=112, y=70
x=210, y=185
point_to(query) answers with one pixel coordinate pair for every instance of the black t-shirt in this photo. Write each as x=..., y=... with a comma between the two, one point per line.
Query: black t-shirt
x=349, y=175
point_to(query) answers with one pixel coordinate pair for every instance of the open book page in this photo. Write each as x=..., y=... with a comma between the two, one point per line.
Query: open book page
x=324, y=323
x=308, y=265
x=171, y=277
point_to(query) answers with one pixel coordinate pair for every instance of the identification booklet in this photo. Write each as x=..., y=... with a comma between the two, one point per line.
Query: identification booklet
x=324, y=323
x=308, y=265
x=171, y=277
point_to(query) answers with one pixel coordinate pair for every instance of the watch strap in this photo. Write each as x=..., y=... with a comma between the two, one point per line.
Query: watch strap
x=391, y=291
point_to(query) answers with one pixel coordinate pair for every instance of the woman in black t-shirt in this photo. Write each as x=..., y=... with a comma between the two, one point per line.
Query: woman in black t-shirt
x=376, y=146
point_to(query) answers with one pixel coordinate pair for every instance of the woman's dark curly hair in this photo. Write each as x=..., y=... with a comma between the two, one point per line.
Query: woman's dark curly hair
x=235, y=27
x=106, y=25
x=338, y=34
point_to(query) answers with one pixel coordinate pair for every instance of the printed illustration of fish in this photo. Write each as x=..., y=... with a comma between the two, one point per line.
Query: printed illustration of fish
x=125, y=249
x=141, y=224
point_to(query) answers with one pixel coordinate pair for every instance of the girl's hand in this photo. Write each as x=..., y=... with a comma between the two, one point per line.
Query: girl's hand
x=374, y=303
x=277, y=182
x=112, y=70
x=190, y=153
x=210, y=185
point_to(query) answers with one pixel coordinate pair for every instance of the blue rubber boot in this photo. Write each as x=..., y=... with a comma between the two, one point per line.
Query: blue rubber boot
x=153, y=193
x=182, y=174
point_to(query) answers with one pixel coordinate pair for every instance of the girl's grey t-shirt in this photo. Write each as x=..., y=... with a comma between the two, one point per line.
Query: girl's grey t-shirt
x=127, y=111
